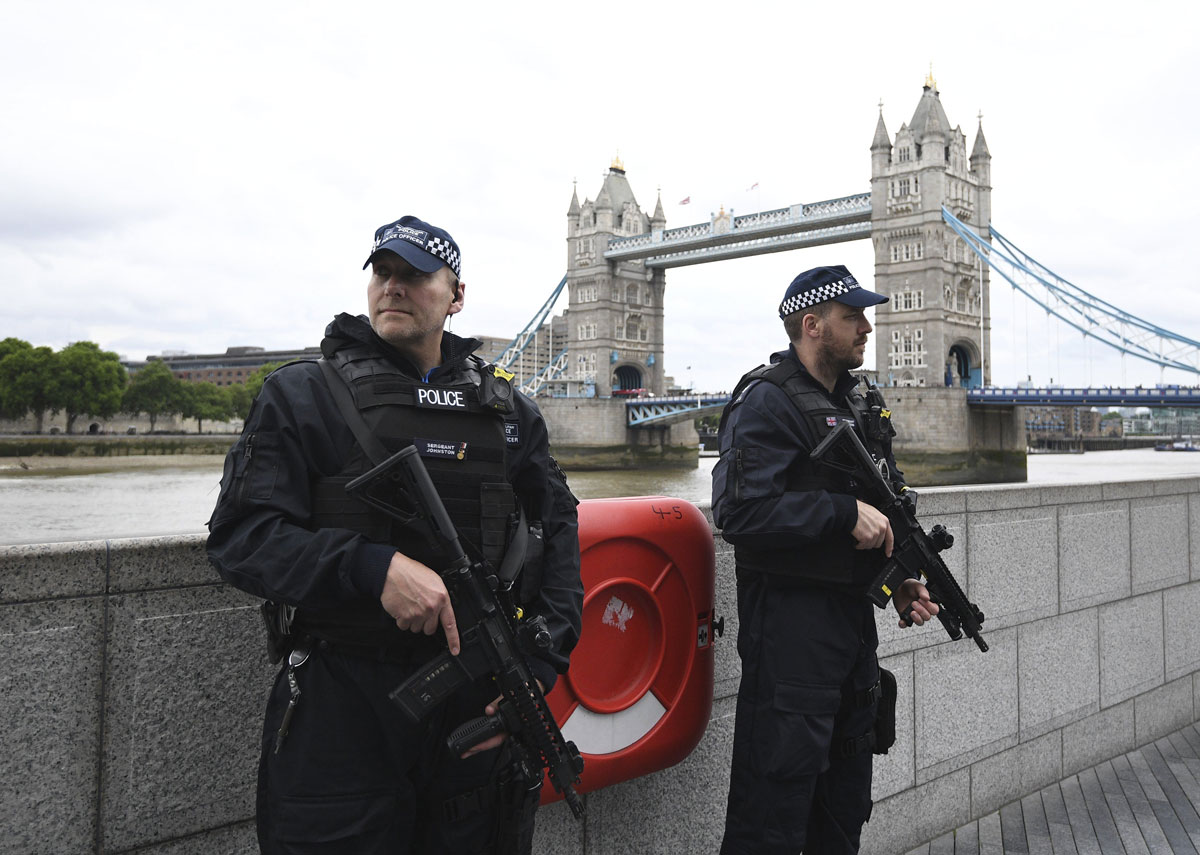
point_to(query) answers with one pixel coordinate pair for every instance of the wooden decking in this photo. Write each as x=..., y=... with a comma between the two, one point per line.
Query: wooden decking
x=1146, y=802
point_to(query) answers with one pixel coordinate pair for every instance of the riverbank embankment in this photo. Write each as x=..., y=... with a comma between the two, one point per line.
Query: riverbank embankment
x=78, y=455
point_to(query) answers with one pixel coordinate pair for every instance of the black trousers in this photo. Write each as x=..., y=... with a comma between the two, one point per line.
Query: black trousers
x=808, y=658
x=356, y=776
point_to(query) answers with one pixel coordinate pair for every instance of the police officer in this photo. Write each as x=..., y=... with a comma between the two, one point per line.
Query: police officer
x=805, y=548
x=351, y=601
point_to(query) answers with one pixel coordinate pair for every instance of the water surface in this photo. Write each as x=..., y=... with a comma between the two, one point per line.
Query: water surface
x=178, y=500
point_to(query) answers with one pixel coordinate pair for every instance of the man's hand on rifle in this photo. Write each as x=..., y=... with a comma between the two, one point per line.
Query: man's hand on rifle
x=913, y=604
x=872, y=530
x=498, y=739
x=417, y=598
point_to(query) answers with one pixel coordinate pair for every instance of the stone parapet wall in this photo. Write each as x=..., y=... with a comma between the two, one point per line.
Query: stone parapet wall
x=134, y=682
x=132, y=689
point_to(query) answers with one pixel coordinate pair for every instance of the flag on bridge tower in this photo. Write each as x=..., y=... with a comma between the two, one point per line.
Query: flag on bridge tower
x=753, y=186
x=686, y=200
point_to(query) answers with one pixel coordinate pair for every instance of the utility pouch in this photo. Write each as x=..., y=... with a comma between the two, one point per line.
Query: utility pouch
x=885, y=713
x=278, y=621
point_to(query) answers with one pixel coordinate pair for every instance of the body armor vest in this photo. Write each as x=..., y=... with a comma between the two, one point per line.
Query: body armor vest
x=833, y=561
x=462, y=444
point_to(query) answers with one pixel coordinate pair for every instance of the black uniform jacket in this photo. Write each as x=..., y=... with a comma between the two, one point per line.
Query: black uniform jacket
x=261, y=536
x=764, y=442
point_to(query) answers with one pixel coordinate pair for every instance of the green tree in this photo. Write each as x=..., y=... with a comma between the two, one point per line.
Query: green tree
x=206, y=401
x=240, y=398
x=155, y=391
x=29, y=380
x=254, y=381
x=12, y=345
x=91, y=382
x=8, y=347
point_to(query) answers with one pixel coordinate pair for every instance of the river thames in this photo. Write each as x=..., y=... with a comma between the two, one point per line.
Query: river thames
x=165, y=499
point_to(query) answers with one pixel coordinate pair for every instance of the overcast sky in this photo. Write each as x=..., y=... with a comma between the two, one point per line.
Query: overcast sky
x=195, y=176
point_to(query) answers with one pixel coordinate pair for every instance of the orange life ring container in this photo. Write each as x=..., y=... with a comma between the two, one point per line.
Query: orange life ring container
x=638, y=695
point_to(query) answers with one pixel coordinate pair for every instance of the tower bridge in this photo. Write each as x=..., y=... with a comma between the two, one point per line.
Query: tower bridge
x=928, y=216
x=937, y=324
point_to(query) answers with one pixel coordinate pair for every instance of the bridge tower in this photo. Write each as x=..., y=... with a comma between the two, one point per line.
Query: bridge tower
x=615, y=308
x=936, y=330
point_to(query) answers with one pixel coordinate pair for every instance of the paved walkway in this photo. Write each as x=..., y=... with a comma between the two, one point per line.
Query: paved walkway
x=1146, y=802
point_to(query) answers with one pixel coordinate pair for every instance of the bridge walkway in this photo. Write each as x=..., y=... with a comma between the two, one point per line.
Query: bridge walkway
x=1146, y=802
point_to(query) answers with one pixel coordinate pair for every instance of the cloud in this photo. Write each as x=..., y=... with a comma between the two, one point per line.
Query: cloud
x=194, y=178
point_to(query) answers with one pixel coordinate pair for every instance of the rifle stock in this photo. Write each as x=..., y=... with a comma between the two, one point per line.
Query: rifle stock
x=914, y=552
x=489, y=642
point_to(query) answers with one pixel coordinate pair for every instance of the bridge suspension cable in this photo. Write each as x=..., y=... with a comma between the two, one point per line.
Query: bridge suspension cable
x=1095, y=318
x=517, y=346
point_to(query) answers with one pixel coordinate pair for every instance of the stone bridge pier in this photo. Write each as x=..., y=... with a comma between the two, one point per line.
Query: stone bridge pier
x=591, y=433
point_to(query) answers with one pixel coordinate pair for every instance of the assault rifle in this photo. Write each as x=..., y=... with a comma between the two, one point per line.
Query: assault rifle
x=491, y=641
x=913, y=551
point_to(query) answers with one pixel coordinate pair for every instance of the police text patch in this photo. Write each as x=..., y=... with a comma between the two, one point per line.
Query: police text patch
x=417, y=236
x=512, y=433
x=441, y=398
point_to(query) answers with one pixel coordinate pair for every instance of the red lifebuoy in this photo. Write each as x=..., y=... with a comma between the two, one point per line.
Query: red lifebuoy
x=638, y=694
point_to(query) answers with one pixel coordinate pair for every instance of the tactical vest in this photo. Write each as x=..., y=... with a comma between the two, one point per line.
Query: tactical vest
x=832, y=561
x=463, y=446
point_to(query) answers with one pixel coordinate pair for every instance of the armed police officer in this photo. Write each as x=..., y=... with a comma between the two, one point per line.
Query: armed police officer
x=352, y=603
x=805, y=548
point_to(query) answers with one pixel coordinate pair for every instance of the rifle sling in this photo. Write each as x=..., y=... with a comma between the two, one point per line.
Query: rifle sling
x=341, y=396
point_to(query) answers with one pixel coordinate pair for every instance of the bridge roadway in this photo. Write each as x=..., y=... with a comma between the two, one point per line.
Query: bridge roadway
x=671, y=408
x=1159, y=396
x=1146, y=802
x=644, y=412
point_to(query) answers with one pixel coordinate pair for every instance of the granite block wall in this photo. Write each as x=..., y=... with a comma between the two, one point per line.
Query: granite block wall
x=50, y=745
x=133, y=683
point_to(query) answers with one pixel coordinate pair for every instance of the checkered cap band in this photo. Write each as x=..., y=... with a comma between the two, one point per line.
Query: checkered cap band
x=435, y=246
x=446, y=251
x=820, y=294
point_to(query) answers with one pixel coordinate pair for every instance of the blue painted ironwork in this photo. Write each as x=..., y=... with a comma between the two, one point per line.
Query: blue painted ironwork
x=809, y=224
x=1072, y=305
x=652, y=412
x=517, y=346
x=1158, y=396
x=552, y=371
